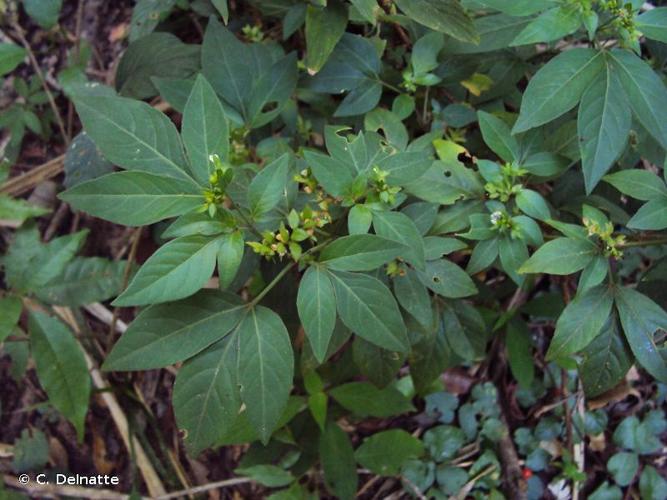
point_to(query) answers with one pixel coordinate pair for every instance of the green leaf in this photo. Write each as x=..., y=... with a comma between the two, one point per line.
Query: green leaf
x=398, y=227
x=18, y=210
x=324, y=27
x=443, y=441
x=10, y=57
x=316, y=304
x=195, y=222
x=31, y=452
x=83, y=281
x=560, y=256
x=367, y=307
x=133, y=135
x=337, y=457
x=205, y=131
x=641, y=318
x=519, y=353
x=483, y=255
x=651, y=216
x=146, y=15
x=413, y=296
x=652, y=485
x=445, y=16
x=644, y=90
x=405, y=167
x=230, y=256
x=156, y=55
x=359, y=219
x=424, y=57
x=10, y=312
x=581, y=321
x=61, y=368
x=549, y=25
x=533, y=204
x=360, y=252
x=430, y=356
x=268, y=187
x=206, y=397
x=271, y=476
x=176, y=270
x=653, y=24
x=222, y=8
x=603, y=125
x=83, y=161
x=364, y=399
x=378, y=365
x=640, y=184
x=605, y=361
x=332, y=175
x=164, y=334
x=265, y=368
x=557, y=87
x=517, y=7
x=385, y=452
x=623, y=467
x=44, y=12
x=30, y=264
x=250, y=78
x=498, y=137
x=513, y=252
x=447, y=279
x=134, y=198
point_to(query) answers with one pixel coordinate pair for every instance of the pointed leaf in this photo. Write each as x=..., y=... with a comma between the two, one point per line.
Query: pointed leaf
x=368, y=308
x=581, y=321
x=133, y=135
x=360, y=252
x=265, y=368
x=324, y=27
x=177, y=270
x=498, y=137
x=560, y=256
x=641, y=319
x=398, y=227
x=268, y=186
x=205, y=131
x=61, y=368
x=164, y=334
x=446, y=16
x=337, y=457
x=603, y=125
x=316, y=304
x=605, y=361
x=206, y=397
x=134, y=198
x=447, y=279
x=557, y=87
x=645, y=92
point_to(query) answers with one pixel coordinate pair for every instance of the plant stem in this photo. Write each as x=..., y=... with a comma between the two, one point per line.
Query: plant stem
x=282, y=274
x=391, y=87
x=273, y=283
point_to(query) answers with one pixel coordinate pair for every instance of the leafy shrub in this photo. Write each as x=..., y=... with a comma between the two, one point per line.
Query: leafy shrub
x=420, y=183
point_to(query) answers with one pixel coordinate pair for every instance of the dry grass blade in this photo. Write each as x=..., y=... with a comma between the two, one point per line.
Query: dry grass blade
x=23, y=183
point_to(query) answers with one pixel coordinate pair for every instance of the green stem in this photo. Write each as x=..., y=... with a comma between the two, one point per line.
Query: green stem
x=273, y=283
x=390, y=87
x=282, y=274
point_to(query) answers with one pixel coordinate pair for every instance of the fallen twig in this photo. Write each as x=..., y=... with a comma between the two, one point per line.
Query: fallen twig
x=19, y=185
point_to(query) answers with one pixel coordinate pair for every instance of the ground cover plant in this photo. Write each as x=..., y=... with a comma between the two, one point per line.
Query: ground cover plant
x=326, y=249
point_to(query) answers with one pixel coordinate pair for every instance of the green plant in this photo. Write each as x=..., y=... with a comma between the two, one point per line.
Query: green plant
x=430, y=212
